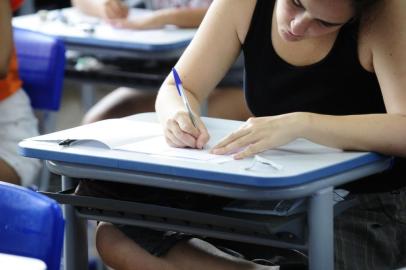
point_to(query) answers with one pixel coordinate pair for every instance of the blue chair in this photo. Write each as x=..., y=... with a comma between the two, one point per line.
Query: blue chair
x=41, y=60
x=31, y=225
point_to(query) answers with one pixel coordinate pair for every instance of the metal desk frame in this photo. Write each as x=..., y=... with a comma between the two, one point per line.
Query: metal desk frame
x=320, y=214
x=315, y=187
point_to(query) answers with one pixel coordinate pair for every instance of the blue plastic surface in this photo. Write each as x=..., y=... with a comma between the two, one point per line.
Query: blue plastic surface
x=231, y=178
x=41, y=67
x=31, y=225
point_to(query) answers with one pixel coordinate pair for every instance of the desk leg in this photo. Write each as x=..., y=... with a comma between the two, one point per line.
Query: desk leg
x=88, y=96
x=75, y=239
x=321, y=230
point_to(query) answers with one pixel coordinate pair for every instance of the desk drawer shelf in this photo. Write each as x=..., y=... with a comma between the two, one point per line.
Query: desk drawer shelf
x=284, y=232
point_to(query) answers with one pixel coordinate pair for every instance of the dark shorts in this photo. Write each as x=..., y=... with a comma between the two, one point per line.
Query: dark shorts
x=372, y=235
x=155, y=242
x=158, y=243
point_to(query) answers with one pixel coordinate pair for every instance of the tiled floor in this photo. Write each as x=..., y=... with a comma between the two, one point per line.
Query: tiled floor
x=72, y=111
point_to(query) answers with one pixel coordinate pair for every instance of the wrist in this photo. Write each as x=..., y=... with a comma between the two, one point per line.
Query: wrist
x=301, y=123
x=163, y=17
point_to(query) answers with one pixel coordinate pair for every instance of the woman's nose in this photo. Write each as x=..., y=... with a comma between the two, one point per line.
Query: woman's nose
x=299, y=25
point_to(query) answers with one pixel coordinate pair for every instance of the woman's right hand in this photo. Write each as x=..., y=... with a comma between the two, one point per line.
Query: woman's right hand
x=180, y=132
x=114, y=9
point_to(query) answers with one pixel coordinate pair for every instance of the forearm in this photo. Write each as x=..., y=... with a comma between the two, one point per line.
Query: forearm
x=181, y=17
x=6, y=43
x=168, y=102
x=383, y=133
x=90, y=7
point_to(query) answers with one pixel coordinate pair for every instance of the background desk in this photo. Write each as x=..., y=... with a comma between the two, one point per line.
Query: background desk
x=83, y=32
x=310, y=173
x=128, y=57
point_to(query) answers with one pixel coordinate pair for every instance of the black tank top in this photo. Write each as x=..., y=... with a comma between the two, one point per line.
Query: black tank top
x=336, y=85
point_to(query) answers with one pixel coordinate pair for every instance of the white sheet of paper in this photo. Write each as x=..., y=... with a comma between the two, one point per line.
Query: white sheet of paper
x=158, y=146
x=112, y=133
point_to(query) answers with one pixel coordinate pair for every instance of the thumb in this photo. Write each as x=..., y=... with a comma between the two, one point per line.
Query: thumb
x=203, y=136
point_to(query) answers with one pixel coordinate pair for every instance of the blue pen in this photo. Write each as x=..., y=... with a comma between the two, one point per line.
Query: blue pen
x=181, y=93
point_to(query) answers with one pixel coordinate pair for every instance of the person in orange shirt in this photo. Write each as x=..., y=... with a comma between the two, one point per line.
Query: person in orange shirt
x=17, y=120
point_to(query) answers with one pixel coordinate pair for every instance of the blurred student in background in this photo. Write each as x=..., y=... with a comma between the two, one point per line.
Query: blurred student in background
x=17, y=120
x=227, y=101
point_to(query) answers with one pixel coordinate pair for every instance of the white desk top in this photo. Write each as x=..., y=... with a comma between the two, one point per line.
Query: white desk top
x=301, y=161
x=73, y=27
x=13, y=262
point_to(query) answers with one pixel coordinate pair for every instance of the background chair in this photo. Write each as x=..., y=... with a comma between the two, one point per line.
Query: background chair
x=41, y=60
x=31, y=225
x=41, y=66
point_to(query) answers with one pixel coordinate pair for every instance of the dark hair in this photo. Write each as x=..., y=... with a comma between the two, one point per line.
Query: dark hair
x=361, y=6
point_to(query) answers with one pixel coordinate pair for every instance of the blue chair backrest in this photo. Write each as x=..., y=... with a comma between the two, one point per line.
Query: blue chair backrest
x=31, y=225
x=41, y=61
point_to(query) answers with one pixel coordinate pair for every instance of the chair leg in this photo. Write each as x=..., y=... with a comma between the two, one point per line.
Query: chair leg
x=44, y=177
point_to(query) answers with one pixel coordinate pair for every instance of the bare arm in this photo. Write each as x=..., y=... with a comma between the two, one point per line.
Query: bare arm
x=106, y=9
x=6, y=43
x=384, y=133
x=213, y=50
x=181, y=17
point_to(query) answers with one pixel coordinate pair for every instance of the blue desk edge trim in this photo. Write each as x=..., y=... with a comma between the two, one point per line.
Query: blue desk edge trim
x=253, y=181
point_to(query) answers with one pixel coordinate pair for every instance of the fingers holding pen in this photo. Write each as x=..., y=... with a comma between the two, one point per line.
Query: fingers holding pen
x=178, y=136
x=203, y=136
x=180, y=132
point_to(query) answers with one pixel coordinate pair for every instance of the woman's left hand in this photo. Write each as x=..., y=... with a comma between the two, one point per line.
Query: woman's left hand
x=150, y=21
x=259, y=134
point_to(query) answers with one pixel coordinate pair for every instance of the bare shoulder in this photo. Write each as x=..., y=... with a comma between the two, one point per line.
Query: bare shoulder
x=382, y=29
x=383, y=33
x=234, y=13
x=385, y=23
x=229, y=17
x=238, y=12
x=246, y=10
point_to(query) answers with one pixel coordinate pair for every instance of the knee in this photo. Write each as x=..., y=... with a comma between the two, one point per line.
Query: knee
x=8, y=173
x=106, y=239
x=88, y=119
x=119, y=252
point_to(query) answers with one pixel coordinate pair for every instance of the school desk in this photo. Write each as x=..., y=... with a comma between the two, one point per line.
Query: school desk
x=305, y=170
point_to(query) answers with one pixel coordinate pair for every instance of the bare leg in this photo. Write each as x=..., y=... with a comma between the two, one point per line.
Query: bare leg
x=8, y=174
x=121, y=253
x=199, y=255
x=228, y=103
x=121, y=102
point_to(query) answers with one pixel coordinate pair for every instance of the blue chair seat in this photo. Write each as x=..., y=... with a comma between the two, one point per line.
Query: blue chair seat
x=31, y=225
x=41, y=60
